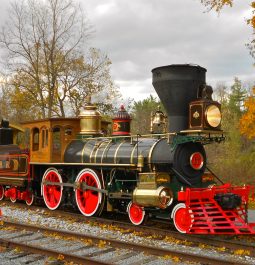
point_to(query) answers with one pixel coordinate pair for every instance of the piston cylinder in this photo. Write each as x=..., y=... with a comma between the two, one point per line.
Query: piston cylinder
x=160, y=197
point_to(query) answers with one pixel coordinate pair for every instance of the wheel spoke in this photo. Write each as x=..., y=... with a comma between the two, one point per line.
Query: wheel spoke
x=136, y=213
x=52, y=194
x=88, y=201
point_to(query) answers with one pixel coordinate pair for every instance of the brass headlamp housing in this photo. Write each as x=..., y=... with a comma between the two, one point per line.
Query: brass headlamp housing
x=213, y=116
x=205, y=115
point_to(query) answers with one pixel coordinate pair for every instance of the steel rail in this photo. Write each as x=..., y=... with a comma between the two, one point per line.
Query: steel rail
x=8, y=243
x=152, y=250
x=149, y=229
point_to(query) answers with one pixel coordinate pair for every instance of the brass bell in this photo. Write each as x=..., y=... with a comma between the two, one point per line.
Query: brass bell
x=158, y=118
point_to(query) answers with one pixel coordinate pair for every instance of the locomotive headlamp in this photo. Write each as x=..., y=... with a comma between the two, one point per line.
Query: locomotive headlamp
x=213, y=116
x=205, y=115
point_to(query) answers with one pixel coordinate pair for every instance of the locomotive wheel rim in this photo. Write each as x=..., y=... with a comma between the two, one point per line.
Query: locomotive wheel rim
x=13, y=199
x=52, y=194
x=182, y=219
x=88, y=201
x=1, y=192
x=136, y=213
x=30, y=200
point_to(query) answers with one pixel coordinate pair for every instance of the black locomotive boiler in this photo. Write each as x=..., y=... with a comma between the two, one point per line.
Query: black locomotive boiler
x=73, y=161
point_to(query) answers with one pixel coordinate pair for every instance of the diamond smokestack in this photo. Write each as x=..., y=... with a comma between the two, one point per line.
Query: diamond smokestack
x=177, y=85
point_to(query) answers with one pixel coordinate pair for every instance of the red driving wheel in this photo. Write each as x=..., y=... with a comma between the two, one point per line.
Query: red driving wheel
x=88, y=201
x=136, y=213
x=52, y=194
x=182, y=218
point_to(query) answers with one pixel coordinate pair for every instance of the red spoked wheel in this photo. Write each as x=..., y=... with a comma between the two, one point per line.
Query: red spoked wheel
x=182, y=218
x=88, y=201
x=136, y=213
x=30, y=199
x=1, y=192
x=52, y=194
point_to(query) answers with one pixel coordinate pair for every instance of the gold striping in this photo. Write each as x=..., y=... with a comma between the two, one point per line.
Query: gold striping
x=91, y=153
x=82, y=153
x=116, y=152
x=83, y=164
x=105, y=150
x=132, y=153
x=151, y=150
x=100, y=145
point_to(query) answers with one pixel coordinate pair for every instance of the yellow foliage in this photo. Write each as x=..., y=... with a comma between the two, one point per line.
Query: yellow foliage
x=101, y=244
x=242, y=252
x=251, y=204
x=222, y=249
x=61, y=257
x=247, y=121
x=176, y=259
x=173, y=258
x=17, y=250
x=217, y=5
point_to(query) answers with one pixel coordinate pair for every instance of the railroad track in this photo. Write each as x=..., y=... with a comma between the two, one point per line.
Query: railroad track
x=90, y=249
x=231, y=243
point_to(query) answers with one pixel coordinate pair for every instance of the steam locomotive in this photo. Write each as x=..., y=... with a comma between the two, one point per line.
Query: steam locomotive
x=74, y=161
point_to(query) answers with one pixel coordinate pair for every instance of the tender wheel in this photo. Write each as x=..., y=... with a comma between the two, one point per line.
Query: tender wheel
x=13, y=198
x=30, y=199
x=52, y=194
x=88, y=201
x=1, y=192
x=182, y=219
x=136, y=213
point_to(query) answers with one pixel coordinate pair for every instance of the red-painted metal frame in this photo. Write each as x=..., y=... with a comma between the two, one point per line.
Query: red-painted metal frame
x=207, y=215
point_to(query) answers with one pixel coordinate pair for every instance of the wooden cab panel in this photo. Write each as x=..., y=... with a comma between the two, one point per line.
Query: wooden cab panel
x=49, y=138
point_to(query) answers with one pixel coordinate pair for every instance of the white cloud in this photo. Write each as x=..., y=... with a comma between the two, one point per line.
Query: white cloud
x=141, y=35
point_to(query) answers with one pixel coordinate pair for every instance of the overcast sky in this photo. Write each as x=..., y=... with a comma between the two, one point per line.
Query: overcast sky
x=143, y=34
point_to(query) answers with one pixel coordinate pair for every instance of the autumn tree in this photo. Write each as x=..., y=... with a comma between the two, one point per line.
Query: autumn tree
x=247, y=121
x=49, y=66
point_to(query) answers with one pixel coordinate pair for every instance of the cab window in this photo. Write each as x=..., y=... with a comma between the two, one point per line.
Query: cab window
x=35, y=139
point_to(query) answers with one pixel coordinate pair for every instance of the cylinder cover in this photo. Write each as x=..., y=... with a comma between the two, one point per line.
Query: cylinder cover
x=160, y=197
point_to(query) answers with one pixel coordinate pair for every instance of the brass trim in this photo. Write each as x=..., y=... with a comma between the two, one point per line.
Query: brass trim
x=101, y=143
x=92, y=151
x=82, y=152
x=116, y=152
x=84, y=164
x=102, y=158
x=11, y=178
x=202, y=131
x=132, y=153
x=151, y=150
